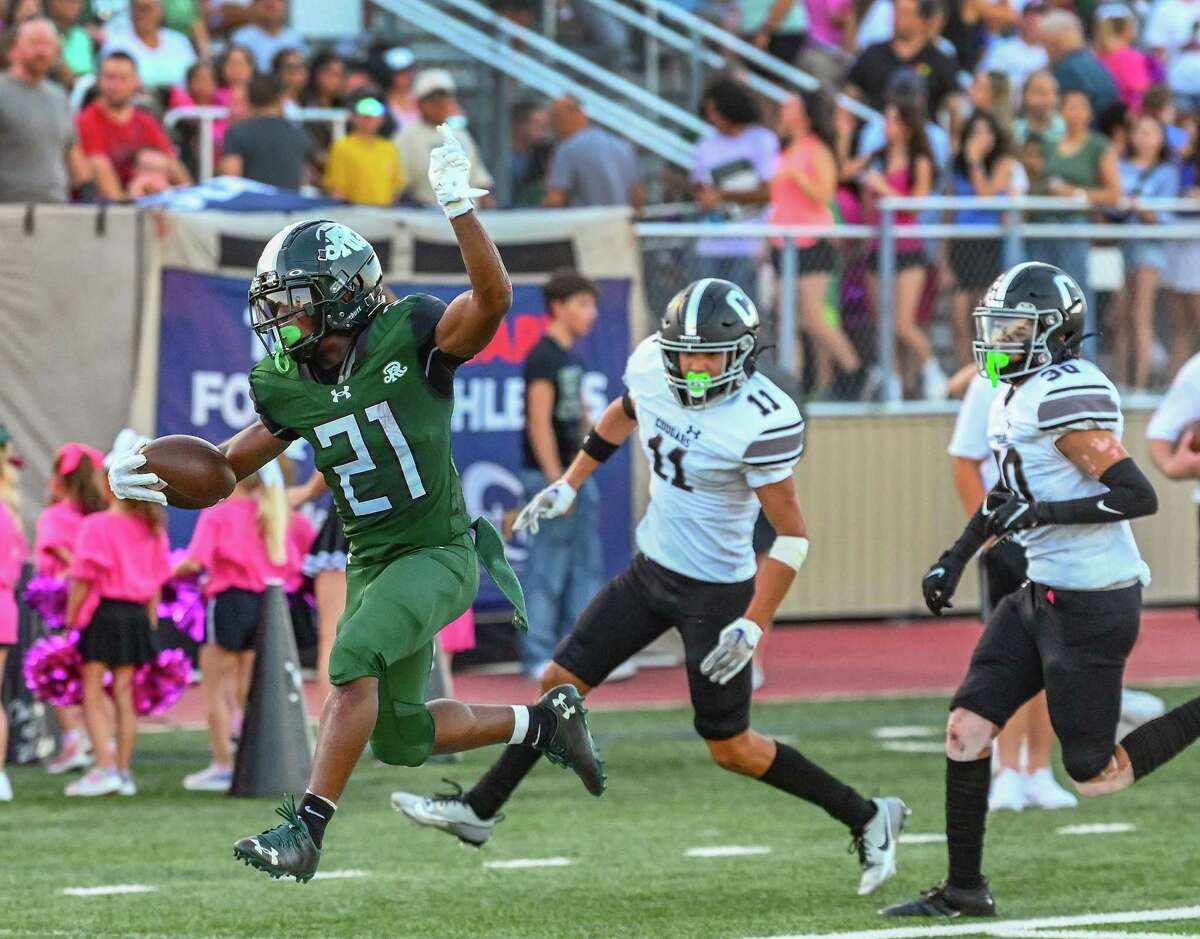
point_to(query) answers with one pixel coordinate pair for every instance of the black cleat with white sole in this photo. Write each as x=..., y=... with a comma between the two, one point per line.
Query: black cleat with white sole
x=571, y=744
x=947, y=902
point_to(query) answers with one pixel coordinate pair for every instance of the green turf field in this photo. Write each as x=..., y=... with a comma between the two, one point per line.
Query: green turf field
x=629, y=876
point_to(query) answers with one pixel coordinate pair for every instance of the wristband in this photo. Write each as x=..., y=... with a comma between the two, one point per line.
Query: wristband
x=597, y=447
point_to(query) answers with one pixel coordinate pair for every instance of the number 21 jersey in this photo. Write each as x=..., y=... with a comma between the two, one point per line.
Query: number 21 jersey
x=705, y=465
x=1024, y=425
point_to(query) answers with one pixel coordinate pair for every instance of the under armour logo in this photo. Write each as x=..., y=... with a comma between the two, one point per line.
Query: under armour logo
x=269, y=853
x=339, y=395
x=561, y=703
x=394, y=371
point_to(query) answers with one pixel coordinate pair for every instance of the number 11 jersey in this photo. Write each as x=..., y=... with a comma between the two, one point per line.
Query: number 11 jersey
x=1024, y=425
x=705, y=464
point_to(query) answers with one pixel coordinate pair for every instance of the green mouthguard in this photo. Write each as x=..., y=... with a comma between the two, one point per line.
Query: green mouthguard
x=994, y=362
x=289, y=335
x=698, y=383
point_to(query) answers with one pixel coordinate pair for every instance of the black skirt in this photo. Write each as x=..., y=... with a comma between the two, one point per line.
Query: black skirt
x=329, y=551
x=118, y=635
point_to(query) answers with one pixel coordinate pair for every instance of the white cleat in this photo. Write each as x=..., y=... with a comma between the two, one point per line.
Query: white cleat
x=128, y=786
x=450, y=813
x=1138, y=708
x=1042, y=791
x=1008, y=791
x=876, y=844
x=212, y=778
x=76, y=756
x=5, y=787
x=99, y=782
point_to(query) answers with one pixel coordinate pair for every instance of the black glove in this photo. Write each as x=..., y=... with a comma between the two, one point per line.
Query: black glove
x=939, y=584
x=1012, y=514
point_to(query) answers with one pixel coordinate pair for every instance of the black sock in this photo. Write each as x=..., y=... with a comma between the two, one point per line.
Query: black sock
x=1157, y=741
x=542, y=724
x=796, y=774
x=498, y=783
x=966, y=817
x=317, y=813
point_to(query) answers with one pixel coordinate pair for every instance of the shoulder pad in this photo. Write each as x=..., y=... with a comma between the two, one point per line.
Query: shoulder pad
x=1074, y=395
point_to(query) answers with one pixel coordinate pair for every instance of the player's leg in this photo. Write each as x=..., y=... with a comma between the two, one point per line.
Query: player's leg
x=329, y=588
x=1004, y=673
x=620, y=621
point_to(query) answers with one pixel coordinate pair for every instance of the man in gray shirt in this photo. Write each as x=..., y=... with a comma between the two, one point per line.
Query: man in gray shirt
x=590, y=166
x=37, y=135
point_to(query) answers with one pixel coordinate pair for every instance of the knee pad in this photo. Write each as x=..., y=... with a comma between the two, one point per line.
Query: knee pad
x=1085, y=761
x=403, y=735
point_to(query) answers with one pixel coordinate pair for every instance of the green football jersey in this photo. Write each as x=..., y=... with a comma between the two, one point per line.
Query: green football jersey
x=381, y=437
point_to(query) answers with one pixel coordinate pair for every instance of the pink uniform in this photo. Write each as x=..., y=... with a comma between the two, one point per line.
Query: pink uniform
x=122, y=558
x=13, y=551
x=301, y=536
x=57, y=529
x=228, y=544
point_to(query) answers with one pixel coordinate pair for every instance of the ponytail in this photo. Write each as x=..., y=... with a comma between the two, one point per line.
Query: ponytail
x=274, y=513
x=153, y=514
x=82, y=486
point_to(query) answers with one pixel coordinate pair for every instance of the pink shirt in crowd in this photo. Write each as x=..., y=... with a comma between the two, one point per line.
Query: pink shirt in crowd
x=227, y=543
x=1131, y=73
x=57, y=529
x=122, y=558
x=821, y=26
x=301, y=536
x=13, y=551
x=791, y=205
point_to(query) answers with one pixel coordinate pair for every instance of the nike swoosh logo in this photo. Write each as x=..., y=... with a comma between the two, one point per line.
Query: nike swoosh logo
x=311, y=812
x=1104, y=508
x=537, y=737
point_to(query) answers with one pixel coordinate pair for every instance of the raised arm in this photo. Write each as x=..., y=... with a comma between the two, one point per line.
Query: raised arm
x=472, y=318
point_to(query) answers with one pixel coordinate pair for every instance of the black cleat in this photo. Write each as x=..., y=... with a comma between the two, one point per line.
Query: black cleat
x=286, y=850
x=948, y=902
x=571, y=744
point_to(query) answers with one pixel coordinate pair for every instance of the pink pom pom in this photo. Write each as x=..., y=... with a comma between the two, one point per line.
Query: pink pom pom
x=159, y=684
x=181, y=601
x=53, y=670
x=47, y=597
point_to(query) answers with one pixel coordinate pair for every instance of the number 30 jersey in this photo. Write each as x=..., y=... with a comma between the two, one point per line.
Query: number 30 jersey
x=380, y=437
x=1025, y=422
x=705, y=465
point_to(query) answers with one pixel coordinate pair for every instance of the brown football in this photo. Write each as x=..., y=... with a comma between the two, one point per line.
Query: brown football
x=1194, y=428
x=196, y=473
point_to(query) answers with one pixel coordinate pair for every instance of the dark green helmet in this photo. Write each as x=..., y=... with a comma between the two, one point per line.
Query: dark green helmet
x=314, y=278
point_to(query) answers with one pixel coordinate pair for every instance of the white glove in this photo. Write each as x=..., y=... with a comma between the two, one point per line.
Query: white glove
x=450, y=175
x=733, y=651
x=127, y=483
x=553, y=501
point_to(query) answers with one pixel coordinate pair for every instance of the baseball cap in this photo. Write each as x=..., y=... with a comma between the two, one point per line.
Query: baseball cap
x=433, y=80
x=399, y=58
x=370, y=107
x=1113, y=11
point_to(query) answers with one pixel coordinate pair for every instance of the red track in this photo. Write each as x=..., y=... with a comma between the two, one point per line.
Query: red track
x=838, y=660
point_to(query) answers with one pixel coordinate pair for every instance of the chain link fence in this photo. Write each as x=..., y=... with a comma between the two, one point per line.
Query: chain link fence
x=883, y=314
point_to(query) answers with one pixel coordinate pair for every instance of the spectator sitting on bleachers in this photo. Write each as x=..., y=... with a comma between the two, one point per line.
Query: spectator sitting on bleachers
x=401, y=102
x=162, y=56
x=1074, y=65
x=37, y=139
x=363, y=167
x=235, y=69
x=911, y=47
x=200, y=90
x=907, y=89
x=151, y=174
x=435, y=92
x=188, y=18
x=1039, y=110
x=78, y=50
x=268, y=32
x=590, y=166
x=779, y=27
x=1170, y=27
x=266, y=147
x=291, y=69
x=1020, y=54
x=1115, y=31
x=529, y=154
x=1158, y=102
x=112, y=131
x=326, y=88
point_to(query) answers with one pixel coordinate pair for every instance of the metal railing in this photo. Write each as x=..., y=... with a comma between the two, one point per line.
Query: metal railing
x=207, y=115
x=543, y=79
x=1012, y=232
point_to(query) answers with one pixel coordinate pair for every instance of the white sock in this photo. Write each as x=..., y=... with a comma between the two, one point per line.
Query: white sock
x=520, y=723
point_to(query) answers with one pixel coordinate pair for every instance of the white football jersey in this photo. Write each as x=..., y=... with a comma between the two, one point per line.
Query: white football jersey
x=1024, y=423
x=705, y=465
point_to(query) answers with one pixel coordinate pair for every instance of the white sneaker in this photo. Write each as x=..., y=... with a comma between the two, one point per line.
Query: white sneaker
x=212, y=778
x=934, y=382
x=128, y=786
x=99, y=782
x=623, y=672
x=75, y=756
x=450, y=813
x=876, y=844
x=1139, y=707
x=1008, y=791
x=5, y=787
x=1042, y=791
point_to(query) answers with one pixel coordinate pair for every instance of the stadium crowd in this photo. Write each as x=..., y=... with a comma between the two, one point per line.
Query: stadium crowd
x=979, y=98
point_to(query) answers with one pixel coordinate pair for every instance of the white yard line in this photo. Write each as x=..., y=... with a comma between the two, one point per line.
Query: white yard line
x=522, y=862
x=339, y=875
x=107, y=891
x=1100, y=828
x=727, y=850
x=1087, y=934
x=906, y=730
x=914, y=746
x=915, y=838
x=999, y=927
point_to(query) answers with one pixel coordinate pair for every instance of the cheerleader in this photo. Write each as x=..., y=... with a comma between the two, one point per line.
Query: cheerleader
x=325, y=563
x=119, y=564
x=76, y=491
x=241, y=544
x=13, y=551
